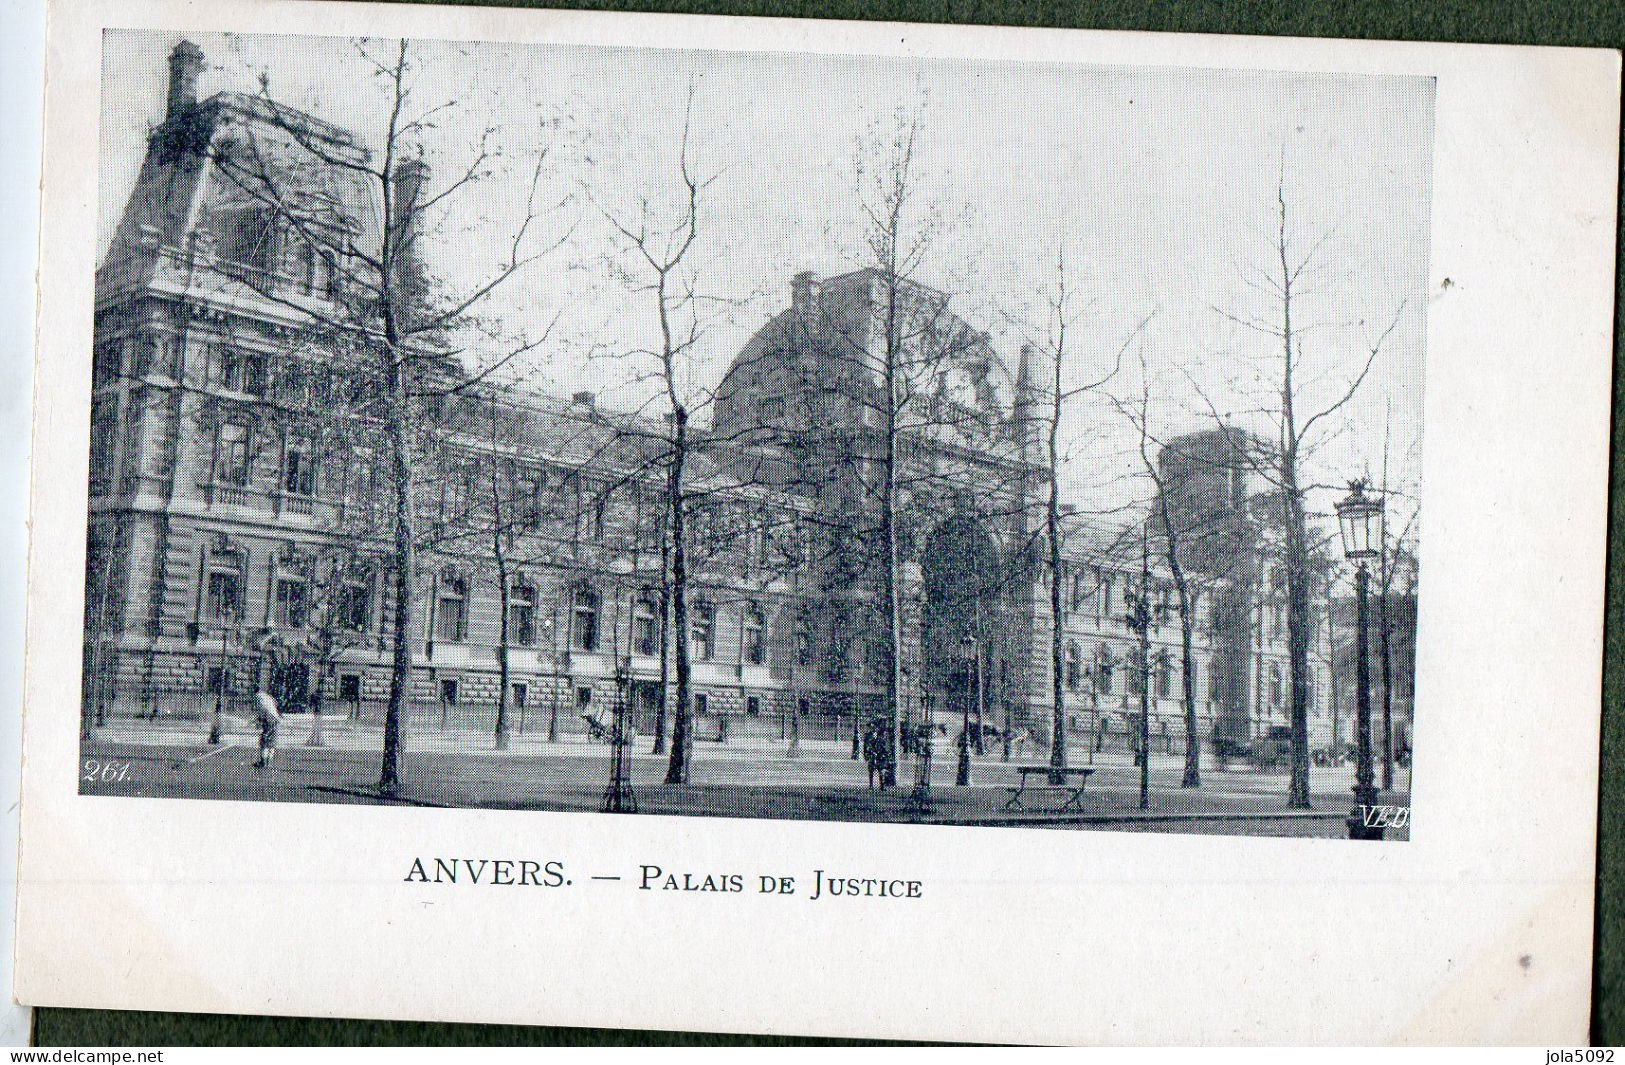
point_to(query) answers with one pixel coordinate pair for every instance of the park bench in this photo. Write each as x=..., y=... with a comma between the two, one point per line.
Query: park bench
x=1024, y=785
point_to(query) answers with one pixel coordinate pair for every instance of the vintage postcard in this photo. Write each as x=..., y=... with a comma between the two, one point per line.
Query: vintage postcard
x=529, y=502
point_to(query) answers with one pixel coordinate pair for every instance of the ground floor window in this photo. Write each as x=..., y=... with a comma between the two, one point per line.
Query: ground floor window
x=350, y=688
x=753, y=705
x=448, y=691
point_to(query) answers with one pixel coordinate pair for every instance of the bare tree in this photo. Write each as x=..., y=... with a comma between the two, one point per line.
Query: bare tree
x=1296, y=425
x=377, y=294
x=1056, y=391
x=660, y=255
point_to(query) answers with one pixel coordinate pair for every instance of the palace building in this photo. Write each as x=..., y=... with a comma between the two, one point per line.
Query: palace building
x=240, y=506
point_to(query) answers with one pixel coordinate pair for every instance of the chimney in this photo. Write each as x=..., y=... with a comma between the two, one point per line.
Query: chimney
x=185, y=64
x=410, y=174
x=801, y=293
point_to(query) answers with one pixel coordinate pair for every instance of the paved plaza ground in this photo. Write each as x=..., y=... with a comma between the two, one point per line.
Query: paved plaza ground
x=171, y=758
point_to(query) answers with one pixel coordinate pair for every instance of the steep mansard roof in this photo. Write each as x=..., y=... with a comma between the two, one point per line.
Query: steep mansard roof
x=233, y=153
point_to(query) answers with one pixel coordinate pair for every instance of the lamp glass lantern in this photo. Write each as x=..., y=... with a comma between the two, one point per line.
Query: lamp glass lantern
x=1360, y=517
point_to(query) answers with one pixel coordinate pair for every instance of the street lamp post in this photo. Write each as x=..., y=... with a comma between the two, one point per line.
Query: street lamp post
x=618, y=797
x=919, y=802
x=972, y=676
x=1360, y=517
x=217, y=723
x=1141, y=618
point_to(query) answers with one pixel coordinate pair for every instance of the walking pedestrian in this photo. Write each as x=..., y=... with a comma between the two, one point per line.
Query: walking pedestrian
x=265, y=710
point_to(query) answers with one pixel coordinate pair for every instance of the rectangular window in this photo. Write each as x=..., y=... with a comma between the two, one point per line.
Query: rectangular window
x=448, y=691
x=254, y=375
x=299, y=468
x=103, y=439
x=645, y=626
x=702, y=703
x=221, y=602
x=584, y=619
x=755, y=639
x=521, y=693
x=232, y=460
x=753, y=705
x=290, y=603
x=530, y=501
x=702, y=628
x=355, y=606
x=217, y=680
x=226, y=367
x=584, y=699
x=450, y=612
x=773, y=409
x=350, y=688
x=522, y=615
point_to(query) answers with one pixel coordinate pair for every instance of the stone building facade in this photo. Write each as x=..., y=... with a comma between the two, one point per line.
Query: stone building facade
x=238, y=528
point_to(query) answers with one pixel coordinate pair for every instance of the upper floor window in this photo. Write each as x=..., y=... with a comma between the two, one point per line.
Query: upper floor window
x=755, y=635
x=529, y=502
x=288, y=609
x=451, y=613
x=645, y=625
x=299, y=467
x=221, y=598
x=355, y=605
x=1074, y=666
x=584, y=619
x=103, y=439
x=702, y=627
x=804, y=637
x=232, y=458
x=255, y=375
x=522, y=615
x=773, y=409
x=246, y=234
x=1104, y=667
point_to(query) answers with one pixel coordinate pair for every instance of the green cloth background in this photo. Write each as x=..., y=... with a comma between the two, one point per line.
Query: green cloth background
x=1597, y=23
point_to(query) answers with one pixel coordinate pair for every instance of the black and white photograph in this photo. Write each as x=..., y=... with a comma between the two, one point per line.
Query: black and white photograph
x=771, y=436
x=816, y=528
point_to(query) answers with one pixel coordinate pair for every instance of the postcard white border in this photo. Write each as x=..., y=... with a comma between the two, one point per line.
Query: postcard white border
x=1477, y=930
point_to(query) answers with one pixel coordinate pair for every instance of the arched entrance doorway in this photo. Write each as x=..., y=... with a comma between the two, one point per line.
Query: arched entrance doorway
x=960, y=623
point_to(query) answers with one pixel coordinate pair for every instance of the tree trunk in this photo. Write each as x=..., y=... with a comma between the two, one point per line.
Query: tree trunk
x=665, y=648
x=1187, y=670
x=682, y=729
x=400, y=676
x=1057, y=743
x=502, y=737
x=1297, y=591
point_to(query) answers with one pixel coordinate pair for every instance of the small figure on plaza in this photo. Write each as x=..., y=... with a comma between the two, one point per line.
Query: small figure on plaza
x=265, y=712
